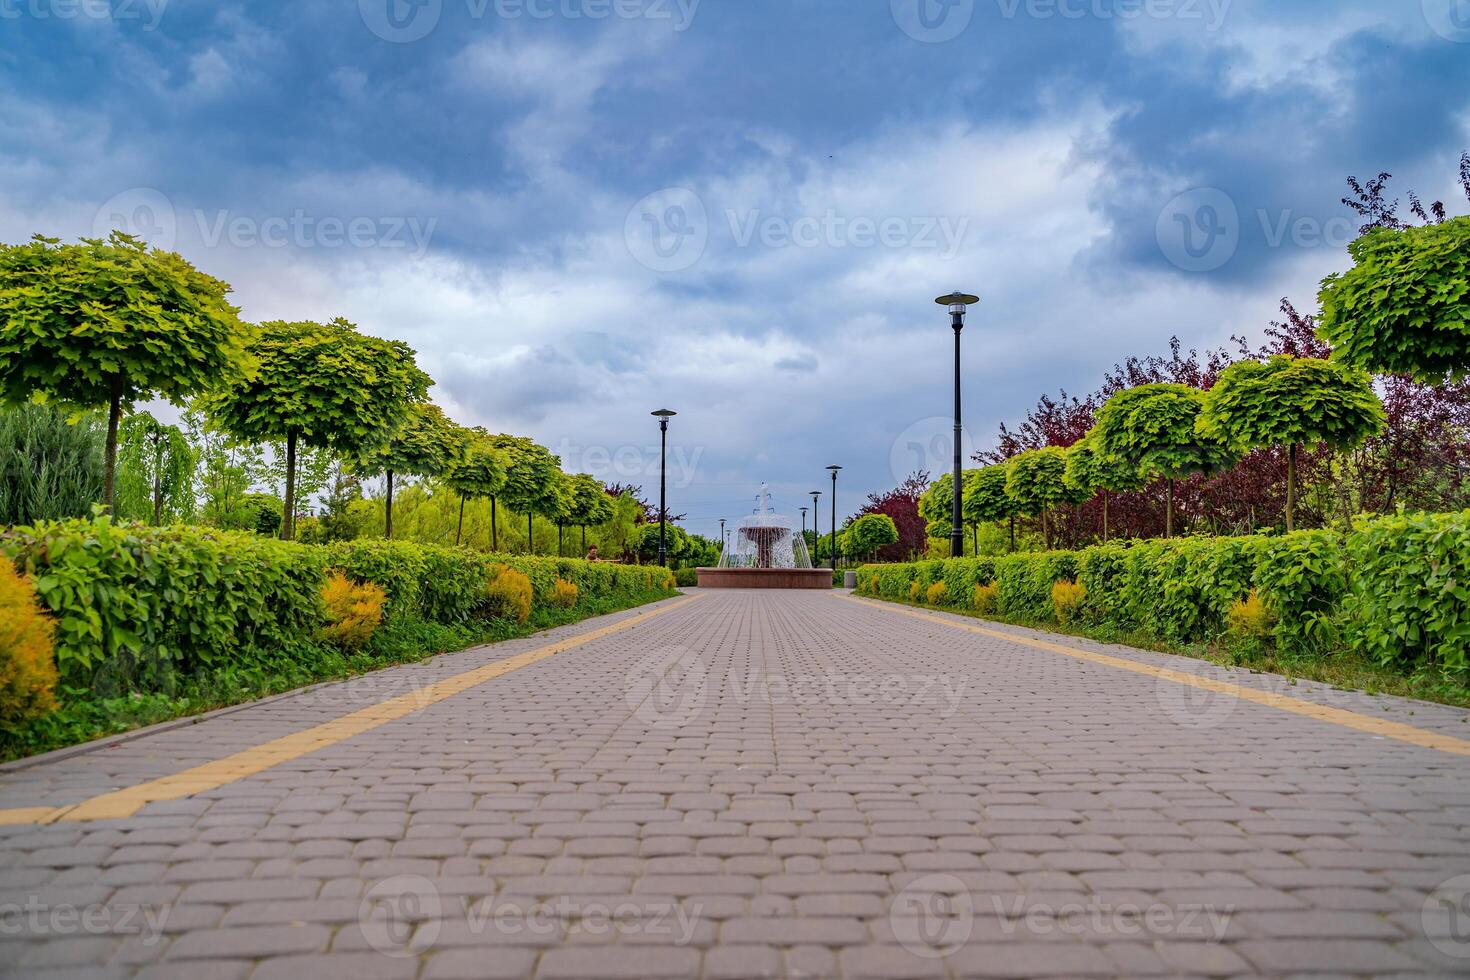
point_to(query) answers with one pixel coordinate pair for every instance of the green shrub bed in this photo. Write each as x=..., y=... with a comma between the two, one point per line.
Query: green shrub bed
x=156, y=622
x=1393, y=591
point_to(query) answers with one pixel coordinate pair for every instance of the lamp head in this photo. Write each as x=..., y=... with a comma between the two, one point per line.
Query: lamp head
x=957, y=302
x=663, y=413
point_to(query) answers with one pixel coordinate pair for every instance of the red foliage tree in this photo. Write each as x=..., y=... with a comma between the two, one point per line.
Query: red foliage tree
x=902, y=504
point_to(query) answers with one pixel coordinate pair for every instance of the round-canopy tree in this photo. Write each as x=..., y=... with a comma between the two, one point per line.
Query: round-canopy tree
x=1088, y=472
x=1151, y=430
x=936, y=506
x=1291, y=401
x=530, y=474
x=1404, y=307
x=155, y=477
x=110, y=322
x=986, y=500
x=1036, y=483
x=868, y=533
x=425, y=443
x=590, y=504
x=321, y=385
x=475, y=474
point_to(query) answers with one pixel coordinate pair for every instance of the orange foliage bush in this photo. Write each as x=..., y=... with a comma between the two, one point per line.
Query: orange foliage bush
x=27, y=654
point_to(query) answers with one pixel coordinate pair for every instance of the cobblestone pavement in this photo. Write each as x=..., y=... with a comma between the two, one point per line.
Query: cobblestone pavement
x=761, y=785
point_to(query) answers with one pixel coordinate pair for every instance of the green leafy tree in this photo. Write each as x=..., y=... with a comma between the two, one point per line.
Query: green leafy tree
x=1036, y=483
x=322, y=385
x=936, y=506
x=530, y=473
x=50, y=464
x=226, y=469
x=425, y=443
x=985, y=500
x=1150, y=430
x=1090, y=472
x=155, y=478
x=1291, y=401
x=478, y=473
x=108, y=323
x=1404, y=306
x=868, y=533
x=590, y=504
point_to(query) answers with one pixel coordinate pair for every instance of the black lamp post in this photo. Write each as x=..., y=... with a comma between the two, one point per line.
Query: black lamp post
x=663, y=415
x=816, y=523
x=834, y=470
x=957, y=302
x=803, y=525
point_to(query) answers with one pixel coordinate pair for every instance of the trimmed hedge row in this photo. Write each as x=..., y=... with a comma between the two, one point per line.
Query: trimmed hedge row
x=1396, y=588
x=136, y=605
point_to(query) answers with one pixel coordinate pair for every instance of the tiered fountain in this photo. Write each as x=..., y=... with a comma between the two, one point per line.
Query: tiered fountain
x=765, y=552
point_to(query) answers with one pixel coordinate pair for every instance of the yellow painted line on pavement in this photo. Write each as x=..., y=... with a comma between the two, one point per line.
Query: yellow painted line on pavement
x=1337, y=716
x=212, y=775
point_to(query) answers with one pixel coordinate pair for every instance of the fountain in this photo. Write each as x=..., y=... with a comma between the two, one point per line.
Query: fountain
x=765, y=552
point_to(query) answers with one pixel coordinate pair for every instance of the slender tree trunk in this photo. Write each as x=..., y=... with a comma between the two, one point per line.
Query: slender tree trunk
x=530, y=533
x=1169, y=512
x=157, y=480
x=109, y=459
x=1291, y=487
x=288, y=514
x=388, y=518
x=459, y=531
x=1045, y=532
x=494, y=537
x=1105, y=517
x=975, y=538
x=1013, y=534
x=584, y=540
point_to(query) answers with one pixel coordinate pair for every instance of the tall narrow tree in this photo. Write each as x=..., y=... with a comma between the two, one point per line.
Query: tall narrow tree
x=105, y=323
x=426, y=443
x=1036, y=483
x=986, y=500
x=155, y=476
x=1151, y=429
x=1291, y=401
x=530, y=473
x=323, y=385
x=590, y=504
x=477, y=473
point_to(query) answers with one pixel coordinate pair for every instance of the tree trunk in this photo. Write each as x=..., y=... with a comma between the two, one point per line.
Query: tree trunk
x=1169, y=512
x=288, y=512
x=975, y=538
x=584, y=540
x=1105, y=517
x=561, y=548
x=1045, y=532
x=530, y=533
x=157, y=479
x=388, y=518
x=459, y=531
x=1291, y=487
x=494, y=537
x=1013, y=533
x=109, y=459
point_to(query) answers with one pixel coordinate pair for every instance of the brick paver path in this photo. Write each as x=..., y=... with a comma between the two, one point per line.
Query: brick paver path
x=764, y=785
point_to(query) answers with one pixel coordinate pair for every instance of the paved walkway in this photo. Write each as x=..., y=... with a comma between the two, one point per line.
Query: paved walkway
x=758, y=785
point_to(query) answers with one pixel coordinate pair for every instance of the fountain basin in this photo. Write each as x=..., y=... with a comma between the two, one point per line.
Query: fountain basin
x=765, y=578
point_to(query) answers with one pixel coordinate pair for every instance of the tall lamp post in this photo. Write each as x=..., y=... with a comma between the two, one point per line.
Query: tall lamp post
x=816, y=522
x=957, y=303
x=833, y=469
x=663, y=415
x=722, y=538
x=803, y=525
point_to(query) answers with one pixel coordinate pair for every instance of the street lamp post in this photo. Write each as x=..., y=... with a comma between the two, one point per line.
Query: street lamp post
x=957, y=303
x=816, y=526
x=663, y=415
x=722, y=537
x=833, y=469
x=803, y=525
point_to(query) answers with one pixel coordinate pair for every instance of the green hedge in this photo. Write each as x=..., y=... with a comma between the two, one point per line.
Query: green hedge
x=138, y=607
x=1396, y=588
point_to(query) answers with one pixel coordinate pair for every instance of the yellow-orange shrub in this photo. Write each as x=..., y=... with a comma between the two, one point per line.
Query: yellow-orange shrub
x=27, y=654
x=1250, y=622
x=1067, y=599
x=936, y=593
x=508, y=594
x=563, y=593
x=916, y=591
x=986, y=597
x=354, y=612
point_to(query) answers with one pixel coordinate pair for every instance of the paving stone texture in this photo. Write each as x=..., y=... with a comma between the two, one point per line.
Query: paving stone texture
x=765, y=785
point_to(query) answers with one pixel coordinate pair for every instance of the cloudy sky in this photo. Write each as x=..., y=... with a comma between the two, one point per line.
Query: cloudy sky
x=578, y=211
